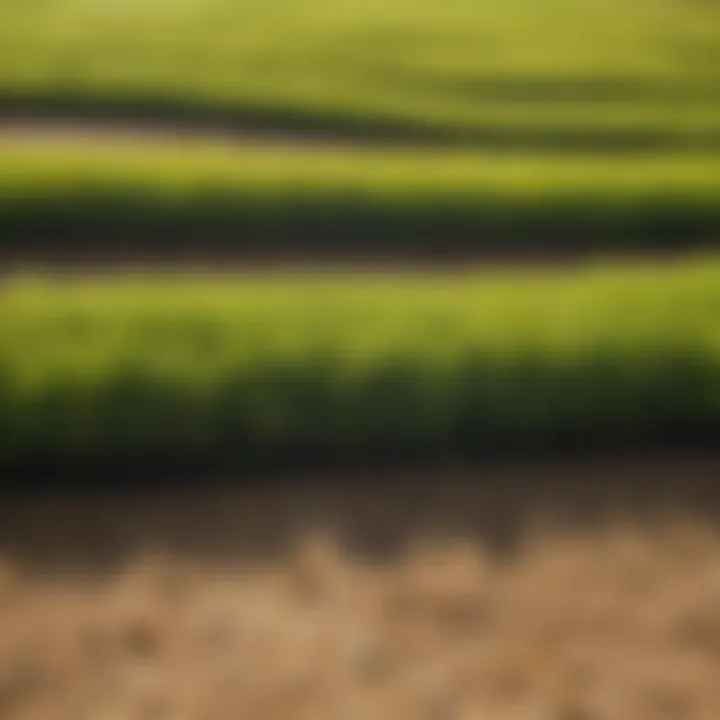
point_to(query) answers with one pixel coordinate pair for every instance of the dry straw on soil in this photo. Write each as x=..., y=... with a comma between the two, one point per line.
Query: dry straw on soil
x=617, y=624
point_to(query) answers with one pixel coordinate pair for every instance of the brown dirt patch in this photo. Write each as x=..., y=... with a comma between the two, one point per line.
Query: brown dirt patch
x=572, y=591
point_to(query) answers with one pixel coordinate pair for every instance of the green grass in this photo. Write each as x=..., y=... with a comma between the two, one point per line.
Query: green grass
x=533, y=102
x=574, y=73
x=136, y=195
x=240, y=369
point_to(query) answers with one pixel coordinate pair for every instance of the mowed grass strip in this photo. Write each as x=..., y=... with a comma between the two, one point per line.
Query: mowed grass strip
x=133, y=194
x=557, y=73
x=245, y=369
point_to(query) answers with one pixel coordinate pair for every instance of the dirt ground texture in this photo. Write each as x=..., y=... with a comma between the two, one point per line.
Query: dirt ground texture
x=394, y=598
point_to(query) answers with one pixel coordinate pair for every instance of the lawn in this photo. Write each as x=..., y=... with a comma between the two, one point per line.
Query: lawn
x=259, y=368
x=517, y=124
x=133, y=195
x=574, y=73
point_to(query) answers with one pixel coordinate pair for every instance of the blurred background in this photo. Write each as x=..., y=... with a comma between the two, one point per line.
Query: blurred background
x=359, y=359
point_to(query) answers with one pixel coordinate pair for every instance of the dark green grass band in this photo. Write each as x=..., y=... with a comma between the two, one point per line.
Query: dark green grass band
x=243, y=370
x=136, y=194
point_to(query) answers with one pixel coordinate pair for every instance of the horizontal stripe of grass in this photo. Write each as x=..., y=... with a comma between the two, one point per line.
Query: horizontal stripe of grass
x=243, y=369
x=245, y=197
x=533, y=74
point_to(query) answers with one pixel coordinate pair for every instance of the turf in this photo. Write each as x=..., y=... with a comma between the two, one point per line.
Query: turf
x=129, y=195
x=246, y=369
x=558, y=73
x=568, y=123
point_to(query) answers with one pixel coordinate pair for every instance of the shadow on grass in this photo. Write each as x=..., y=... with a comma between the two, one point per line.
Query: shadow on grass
x=328, y=125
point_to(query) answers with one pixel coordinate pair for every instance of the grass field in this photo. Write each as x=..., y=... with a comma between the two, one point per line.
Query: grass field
x=261, y=368
x=533, y=101
x=573, y=73
x=126, y=194
x=577, y=123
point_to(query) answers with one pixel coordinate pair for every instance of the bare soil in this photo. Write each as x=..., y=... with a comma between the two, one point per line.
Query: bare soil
x=571, y=591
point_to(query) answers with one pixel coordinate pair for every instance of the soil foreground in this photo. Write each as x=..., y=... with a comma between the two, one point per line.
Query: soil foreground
x=568, y=591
